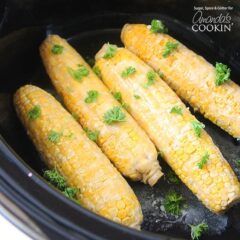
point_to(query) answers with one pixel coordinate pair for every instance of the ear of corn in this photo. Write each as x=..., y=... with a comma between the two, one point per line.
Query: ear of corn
x=65, y=147
x=190, y=75
x=186, y=147
x=84, y=94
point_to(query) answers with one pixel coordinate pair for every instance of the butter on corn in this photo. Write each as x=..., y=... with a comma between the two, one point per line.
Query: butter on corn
x=84, y=94
x=64, y=146
x=190, y=75
x=186, y=147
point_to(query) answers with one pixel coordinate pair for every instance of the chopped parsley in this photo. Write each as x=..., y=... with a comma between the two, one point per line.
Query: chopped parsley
x=169, y=47
x=197, y=127
x=173, y=203
x=57, y=49
x=203, y=161
x=137, y=96
x=34, y=113
x=151, y=78
x=177, y=110
x=97, y=71
x=157, y=26
x=160, y=73
x=114, y=115
x=110, y=52
x=128, y=71
x=118, y=97
x=91, y=96
x=57, y=180
x=171, y=177
x=79, y=73
x=238, y=162
x=198, y=230
x=54, y=136
x=92, y=135
x=222, y=73
x=75, y=116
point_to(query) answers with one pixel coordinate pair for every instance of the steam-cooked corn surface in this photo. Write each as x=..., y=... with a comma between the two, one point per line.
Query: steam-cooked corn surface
x=190, y=75
x=183, y=146
x=124, y=142
x=64, y=146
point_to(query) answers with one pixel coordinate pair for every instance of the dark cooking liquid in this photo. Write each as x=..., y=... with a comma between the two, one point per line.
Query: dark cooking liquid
x=226, y=226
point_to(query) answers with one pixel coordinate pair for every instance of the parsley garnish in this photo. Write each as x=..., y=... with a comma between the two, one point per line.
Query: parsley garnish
x=118, y=97
x=203, y=161
x=110, y=52
x=35, y=112
x=92, y=135
x=79, y=73
x=128, y=71
x=137, y=96
x=157, y=26
x=114, y=115
x=160, y=73
x=151, y=78
x=238, y=162
x=197, y=127
x=177, y=110
x=169, y=47
x=54, y=136
x=172, y=177
x=92, y=96
x=222, y=73
x=57, y=49
x=57, y=180
x=198, y=230
x=97, y=71
x=173, y=203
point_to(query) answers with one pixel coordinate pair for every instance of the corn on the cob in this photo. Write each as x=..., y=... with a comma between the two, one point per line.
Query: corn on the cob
x=64, y=146
x=187, y=148
x=190, y=75
x=124, y=143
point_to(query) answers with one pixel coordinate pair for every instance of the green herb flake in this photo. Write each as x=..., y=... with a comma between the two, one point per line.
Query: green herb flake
x=173, y=203
x=203, y=160
x=34, y=113
x=91, y=96
x=137, y=96
x=117, y=96
x=97, y=71
x=222, y=73
x=157, y=26
x=79, y=73
x=125, y=106
x=160, y=73
x=238, y=162
x=54, y=136
x=128, y=72
x=169, y=48
x=151, y=78
x=57, y=49
x=92, y=135
x=171, y=177
x=197, y=127
x=177, y=110
x=110, y=52
x=55, y=178
x=114, y=115
x=71, y=192
x=75, y=116
x=198, y=230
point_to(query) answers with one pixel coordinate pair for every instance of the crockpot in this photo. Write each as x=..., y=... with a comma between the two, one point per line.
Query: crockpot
x=29, y=201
